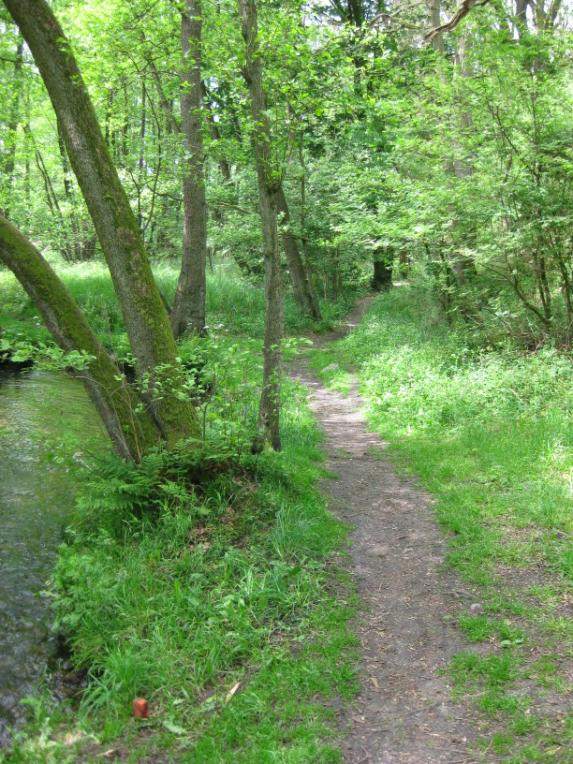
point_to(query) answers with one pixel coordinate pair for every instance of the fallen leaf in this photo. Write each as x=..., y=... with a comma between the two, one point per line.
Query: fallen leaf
x=232, y=691
x=174, y=728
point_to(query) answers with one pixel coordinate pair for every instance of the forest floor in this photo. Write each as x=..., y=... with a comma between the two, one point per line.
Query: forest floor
x=460, y=552
x=404, y=713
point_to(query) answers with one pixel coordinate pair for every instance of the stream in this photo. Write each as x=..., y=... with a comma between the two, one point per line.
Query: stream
x=36, y=495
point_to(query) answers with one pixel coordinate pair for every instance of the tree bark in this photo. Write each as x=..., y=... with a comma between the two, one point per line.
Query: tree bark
x=437, y=40
x=145, y=317
x=304, y=293
x=382, y=276
x=131, y=429
x=268, y=183
x=188, y=310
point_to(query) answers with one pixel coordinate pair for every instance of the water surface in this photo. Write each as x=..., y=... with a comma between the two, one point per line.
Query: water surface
x=37, y=410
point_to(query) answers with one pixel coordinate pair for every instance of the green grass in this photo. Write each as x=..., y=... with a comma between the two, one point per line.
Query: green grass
x=180, y=580
x=490, y=433
x=233, y=306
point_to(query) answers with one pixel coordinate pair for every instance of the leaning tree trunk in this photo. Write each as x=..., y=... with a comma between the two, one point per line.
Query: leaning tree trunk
x=303, y=291
x=268, y=182
x=188, y=310
x=131, y=429
x=145, y=316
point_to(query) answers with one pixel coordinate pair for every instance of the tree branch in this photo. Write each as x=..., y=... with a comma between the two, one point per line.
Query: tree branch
x=462, y=11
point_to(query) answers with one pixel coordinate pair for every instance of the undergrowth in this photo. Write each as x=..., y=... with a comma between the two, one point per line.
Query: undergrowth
x=489, y=431
x=201, y=582
x=234, y=306
x=198, y=580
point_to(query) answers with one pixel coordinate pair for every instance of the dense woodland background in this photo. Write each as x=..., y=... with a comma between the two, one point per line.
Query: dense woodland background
x=249, y=169
x=445, y=160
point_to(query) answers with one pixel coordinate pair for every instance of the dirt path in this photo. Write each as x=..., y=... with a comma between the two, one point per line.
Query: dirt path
x=403, y=714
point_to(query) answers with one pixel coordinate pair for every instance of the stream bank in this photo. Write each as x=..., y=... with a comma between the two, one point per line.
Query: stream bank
x=36, y=496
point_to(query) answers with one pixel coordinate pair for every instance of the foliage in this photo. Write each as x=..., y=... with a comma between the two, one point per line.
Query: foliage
x=451, y=164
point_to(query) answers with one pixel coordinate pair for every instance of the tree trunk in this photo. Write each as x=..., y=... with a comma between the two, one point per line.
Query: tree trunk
x=268, y=182
x=188, y=310
x=463, y=266
x=145, y=317
x=9, y=162
x=382, y=276
x=304, y=293
x=437, y=41
x=224, y=166
x=131, y=429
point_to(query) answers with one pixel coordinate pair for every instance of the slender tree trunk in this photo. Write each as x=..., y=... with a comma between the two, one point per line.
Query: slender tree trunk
x=141, y=159
x=9, y=162
x=145, y=317
x=81, y=232
x=188, y=310
x=435, y=13
x=130, y=427
x=224, y=166
x=304, y=293
x=77, y=245
x=65, y=241
x=463, y=266
x=268, y=182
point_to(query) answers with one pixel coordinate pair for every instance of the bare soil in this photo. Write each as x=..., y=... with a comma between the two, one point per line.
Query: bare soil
x=403, y=713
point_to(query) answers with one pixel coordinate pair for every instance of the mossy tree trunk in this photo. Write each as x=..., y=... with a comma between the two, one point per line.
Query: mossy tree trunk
x=130, y=427
x=146, y=319
x=188, y=310
x=269, y=182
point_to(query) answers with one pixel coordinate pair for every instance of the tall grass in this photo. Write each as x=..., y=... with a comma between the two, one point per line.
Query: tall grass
x=234, y=305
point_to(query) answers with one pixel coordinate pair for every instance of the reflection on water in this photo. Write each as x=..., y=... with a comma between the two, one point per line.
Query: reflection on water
x=36, y=494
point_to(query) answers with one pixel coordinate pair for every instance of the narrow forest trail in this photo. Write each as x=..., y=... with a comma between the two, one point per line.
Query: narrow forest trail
x=403, y=713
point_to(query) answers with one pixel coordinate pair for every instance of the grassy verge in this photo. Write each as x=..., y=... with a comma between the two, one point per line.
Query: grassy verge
x=233, y=305
x=490, y=434
x=202, y=583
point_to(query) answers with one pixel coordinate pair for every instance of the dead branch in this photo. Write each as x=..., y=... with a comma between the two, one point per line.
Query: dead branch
x=462, y=11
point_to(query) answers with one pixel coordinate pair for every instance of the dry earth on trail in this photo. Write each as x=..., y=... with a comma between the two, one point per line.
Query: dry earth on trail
x=403, y=713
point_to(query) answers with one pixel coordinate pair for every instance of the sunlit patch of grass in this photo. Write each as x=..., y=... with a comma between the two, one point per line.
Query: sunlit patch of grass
x=234, y=306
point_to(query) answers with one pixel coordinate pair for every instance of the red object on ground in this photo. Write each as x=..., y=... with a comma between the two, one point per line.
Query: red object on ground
x=140, y=708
